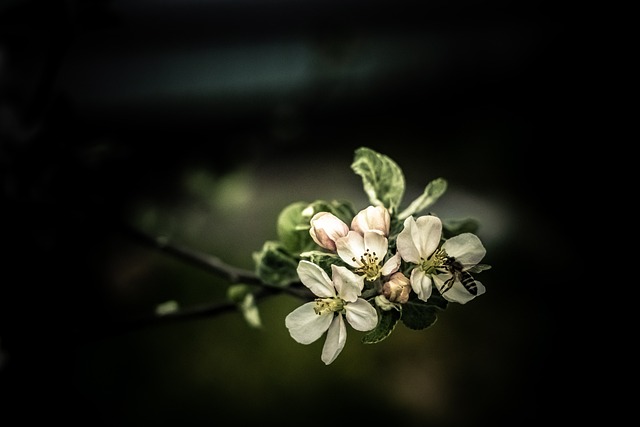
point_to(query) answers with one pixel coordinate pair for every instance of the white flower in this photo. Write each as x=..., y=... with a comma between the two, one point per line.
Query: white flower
x=448, y=266
x=463, y=252
x=337, y=299
x=326, y=228
x=372, y=218
x=416, y=244
x=366, y=253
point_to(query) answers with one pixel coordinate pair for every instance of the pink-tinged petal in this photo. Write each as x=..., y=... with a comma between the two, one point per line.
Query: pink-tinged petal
x=427, y=234
x=376, y=243
x=421, y=284
x=373, y=218
x=392, y=265
x=361, y=315
x=348, y=284
x=336, y=338
x=351, y=248
x=305, y=326
x=315, y=278
x=466, y=248
x=405, y=244
x=326, y=228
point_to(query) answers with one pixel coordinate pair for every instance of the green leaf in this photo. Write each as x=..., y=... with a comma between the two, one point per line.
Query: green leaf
x=417, y=314
x=431, y=194
x=275, y=265
x=324, y=259
x=453, y=227
x=382, y=178
x=387, y=321
x=293, y=228
x=242, y=296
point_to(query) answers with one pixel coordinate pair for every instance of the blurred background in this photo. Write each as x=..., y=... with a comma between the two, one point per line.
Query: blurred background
x=198, y=121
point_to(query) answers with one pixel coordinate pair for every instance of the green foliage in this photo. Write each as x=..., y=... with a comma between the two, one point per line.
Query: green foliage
x=431, y=194
x=275, y=265
x=382, y=178
x=418, y=314
x=387, y=321
x=242, y=296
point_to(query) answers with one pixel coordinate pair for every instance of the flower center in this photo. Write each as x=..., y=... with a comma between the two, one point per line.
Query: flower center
x=328, y=305
x=369, y=265
x=435, y=262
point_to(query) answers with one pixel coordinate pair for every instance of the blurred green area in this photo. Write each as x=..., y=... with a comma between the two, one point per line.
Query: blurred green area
x=199, y=124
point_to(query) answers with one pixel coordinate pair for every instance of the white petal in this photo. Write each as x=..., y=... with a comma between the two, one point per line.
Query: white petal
x=427, y=234
x=348, y=284
x=336, y=338
x=305, y=326
x=350, y=247
x=376, y=243
x=421, y=284
x=315, y=278
x=404, y=242
x=466, y=248
x=392, y=265
x=361, y=315
x=373, y=218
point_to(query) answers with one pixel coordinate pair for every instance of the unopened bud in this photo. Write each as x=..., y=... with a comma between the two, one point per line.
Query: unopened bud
x=397, y=288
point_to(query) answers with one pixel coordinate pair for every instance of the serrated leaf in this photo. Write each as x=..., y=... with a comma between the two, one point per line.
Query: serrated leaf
x=382, y=178
x=429, y=196
x=275, y=265
x=387, y=321
x=417, y=314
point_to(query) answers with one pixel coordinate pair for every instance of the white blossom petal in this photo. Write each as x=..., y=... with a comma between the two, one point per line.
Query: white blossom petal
x=466, y=248
x=392, y=265
x=348, y=284
x=426, y=235
x=336, y=338
x=305, y=326
x=315, y=278
x=373, y=218
x=351, y=247
x=405, y=244
x=421, y=284
x=376, y=244
x=361, y=315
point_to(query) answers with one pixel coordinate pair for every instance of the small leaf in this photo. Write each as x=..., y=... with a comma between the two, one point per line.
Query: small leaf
x=167, y=307
x=387, y=321
x=275, y=265
x=453, y=227
x=382, y=178
x=417, y=314
x=431, y=194
x=242, y=296
x=293, y=228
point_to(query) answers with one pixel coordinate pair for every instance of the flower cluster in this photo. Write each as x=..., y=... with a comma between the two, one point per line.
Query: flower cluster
x=375, y=267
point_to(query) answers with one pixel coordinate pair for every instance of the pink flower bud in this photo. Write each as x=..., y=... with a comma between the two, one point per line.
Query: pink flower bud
x=326, y=228
x=372, y=218
x=397, y=288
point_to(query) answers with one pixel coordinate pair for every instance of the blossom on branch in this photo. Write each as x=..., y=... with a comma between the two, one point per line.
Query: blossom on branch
x=338, y=299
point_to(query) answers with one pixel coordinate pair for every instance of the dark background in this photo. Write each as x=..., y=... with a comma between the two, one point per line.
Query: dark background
x=198, y=121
